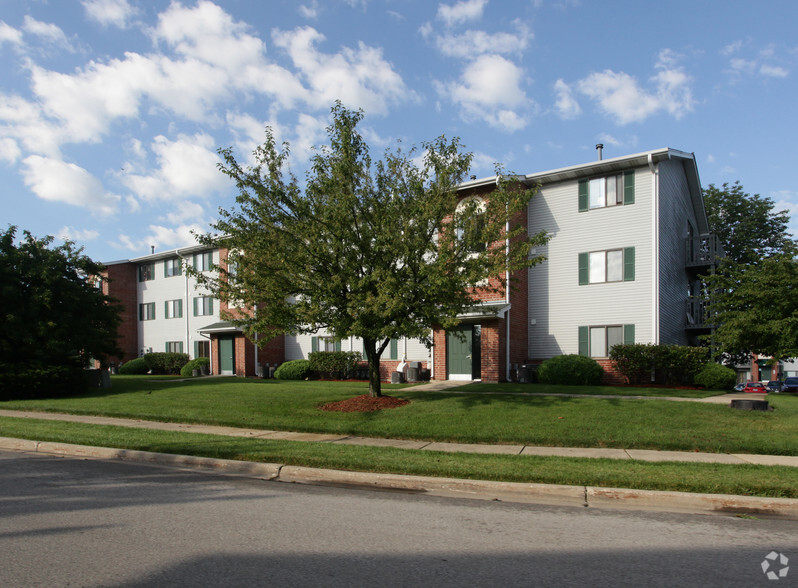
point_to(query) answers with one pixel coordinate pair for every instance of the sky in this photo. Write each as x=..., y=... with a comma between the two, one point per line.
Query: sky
x=112, y=111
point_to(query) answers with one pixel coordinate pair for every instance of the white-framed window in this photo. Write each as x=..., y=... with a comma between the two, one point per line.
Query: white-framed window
x=203, y=261
x=146, y=272
x=597, y=341
x=173, y=309
x=147, y=311
x=610, y=265
x=203, y=306
x=174, y=347
x=172, y=267
x=202, y=349
x=611, y=190
x=473, y=224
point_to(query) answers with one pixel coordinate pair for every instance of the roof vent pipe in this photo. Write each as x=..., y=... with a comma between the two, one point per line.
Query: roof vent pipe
x=152, y=248
x=599, y=147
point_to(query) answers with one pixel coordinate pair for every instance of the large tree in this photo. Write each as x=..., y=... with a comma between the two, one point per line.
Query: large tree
x=747, y=225
x=54, y=316
x=756, y=309
x=371, y=250
x=750, y=292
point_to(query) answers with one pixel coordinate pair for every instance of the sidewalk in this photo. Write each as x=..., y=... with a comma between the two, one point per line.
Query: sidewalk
x=590, y=452
x=527, y=493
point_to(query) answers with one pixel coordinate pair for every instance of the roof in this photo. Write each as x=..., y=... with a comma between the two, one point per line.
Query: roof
x=220, y=327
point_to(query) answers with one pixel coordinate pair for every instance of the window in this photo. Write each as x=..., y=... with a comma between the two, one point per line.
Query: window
x=147, y=311
x=613, y=265
x=174, y=347
x=146, y=272
x=471, y=225
x=172, y=267
x=173, y=309
x=202, y=349
x=203, y=261
x=613, y=190
x=598, y=341
x=325, y=344
x=203, y=306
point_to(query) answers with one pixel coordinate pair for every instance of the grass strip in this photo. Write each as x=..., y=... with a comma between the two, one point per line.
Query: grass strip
x=747, y=480
x=455, y=417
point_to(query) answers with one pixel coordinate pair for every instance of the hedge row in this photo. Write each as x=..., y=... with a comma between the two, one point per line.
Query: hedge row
x=670, y=365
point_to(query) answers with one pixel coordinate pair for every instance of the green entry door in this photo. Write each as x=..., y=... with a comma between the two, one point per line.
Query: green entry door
x=459, y=352
x=226, y=362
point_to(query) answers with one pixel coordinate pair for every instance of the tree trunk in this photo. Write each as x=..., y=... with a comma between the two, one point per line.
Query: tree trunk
x=375, y=385
x=373, y=357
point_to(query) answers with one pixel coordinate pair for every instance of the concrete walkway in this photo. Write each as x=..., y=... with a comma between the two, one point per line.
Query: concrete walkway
x=589, y=452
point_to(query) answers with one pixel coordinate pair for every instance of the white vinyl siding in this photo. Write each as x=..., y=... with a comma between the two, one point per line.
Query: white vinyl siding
x=557, y=305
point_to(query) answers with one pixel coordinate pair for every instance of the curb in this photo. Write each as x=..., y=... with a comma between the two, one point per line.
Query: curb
x=516, y=492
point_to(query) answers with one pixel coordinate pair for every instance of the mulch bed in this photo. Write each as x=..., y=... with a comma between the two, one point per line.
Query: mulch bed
x=364, y=403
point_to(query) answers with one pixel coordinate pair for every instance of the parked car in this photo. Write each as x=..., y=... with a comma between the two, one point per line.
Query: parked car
x=790, y=386
x=755, y=388
x=739, y=387
x=775, y=386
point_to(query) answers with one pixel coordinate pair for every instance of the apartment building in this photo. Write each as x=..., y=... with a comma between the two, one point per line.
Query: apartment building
x=629, y=238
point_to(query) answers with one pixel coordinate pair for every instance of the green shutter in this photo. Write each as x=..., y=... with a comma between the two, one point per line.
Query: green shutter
x=141, y=312
x=196, y=349
x=338, y=345
x=314, y=344
x=165, y=265
x=180, y=308
x=210, y=305
x=629, y=187
x=628, y=334
x=194, y=300
x=180, y=347
x=165, y=309
x=584, y=269
x=629, y=264
x=583, y=198
x=394, y=349
x=584, y=341
x=166, y=346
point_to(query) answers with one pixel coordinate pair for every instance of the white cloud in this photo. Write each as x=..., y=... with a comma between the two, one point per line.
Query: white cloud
x=9, y=34
x=607, y=139
x=9, y=150
x=490, y=89
x=310, y=132
x=110, y=12
x=169, y=238
x=773, y=71
x=566, y=105
x=58, y=181
x=473, y=43
x=47, y=32
x=309, y=11
x=620, y=96
x=463, y=11
x=360, y=78
x=77, y=235
x=187, y=211
x=186, y=168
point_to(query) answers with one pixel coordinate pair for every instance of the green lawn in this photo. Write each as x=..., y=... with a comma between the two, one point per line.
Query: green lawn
x=503, y=416
x=771, y=481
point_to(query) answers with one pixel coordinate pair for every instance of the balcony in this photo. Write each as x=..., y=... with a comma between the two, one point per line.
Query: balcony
x=702, y=252
x=697, y=315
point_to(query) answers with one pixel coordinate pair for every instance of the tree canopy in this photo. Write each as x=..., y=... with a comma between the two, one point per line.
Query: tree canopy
x=370, y=250
x=751, y=293
x=54, y=316
x=747, y=226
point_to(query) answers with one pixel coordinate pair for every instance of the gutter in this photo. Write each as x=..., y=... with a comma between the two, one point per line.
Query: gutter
x=655, y=281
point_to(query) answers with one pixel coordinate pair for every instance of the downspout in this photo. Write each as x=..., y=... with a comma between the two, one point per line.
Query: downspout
x=507, y=314
x=187, y=315
x=655, y=249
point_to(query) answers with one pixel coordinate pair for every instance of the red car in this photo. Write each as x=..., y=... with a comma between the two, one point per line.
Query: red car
x=755, y=388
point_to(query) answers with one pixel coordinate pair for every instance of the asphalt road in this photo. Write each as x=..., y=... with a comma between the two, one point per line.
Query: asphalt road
x=74, y=522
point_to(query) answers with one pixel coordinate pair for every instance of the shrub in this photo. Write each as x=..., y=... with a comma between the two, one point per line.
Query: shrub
x=716, y=377
x=334, y=364
x=570, y=369
x=195, y=364
x=635, y=361
x=162, y=362
x=19, y=382
x=134, y=367
x=671, y=365
x=298, y=369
